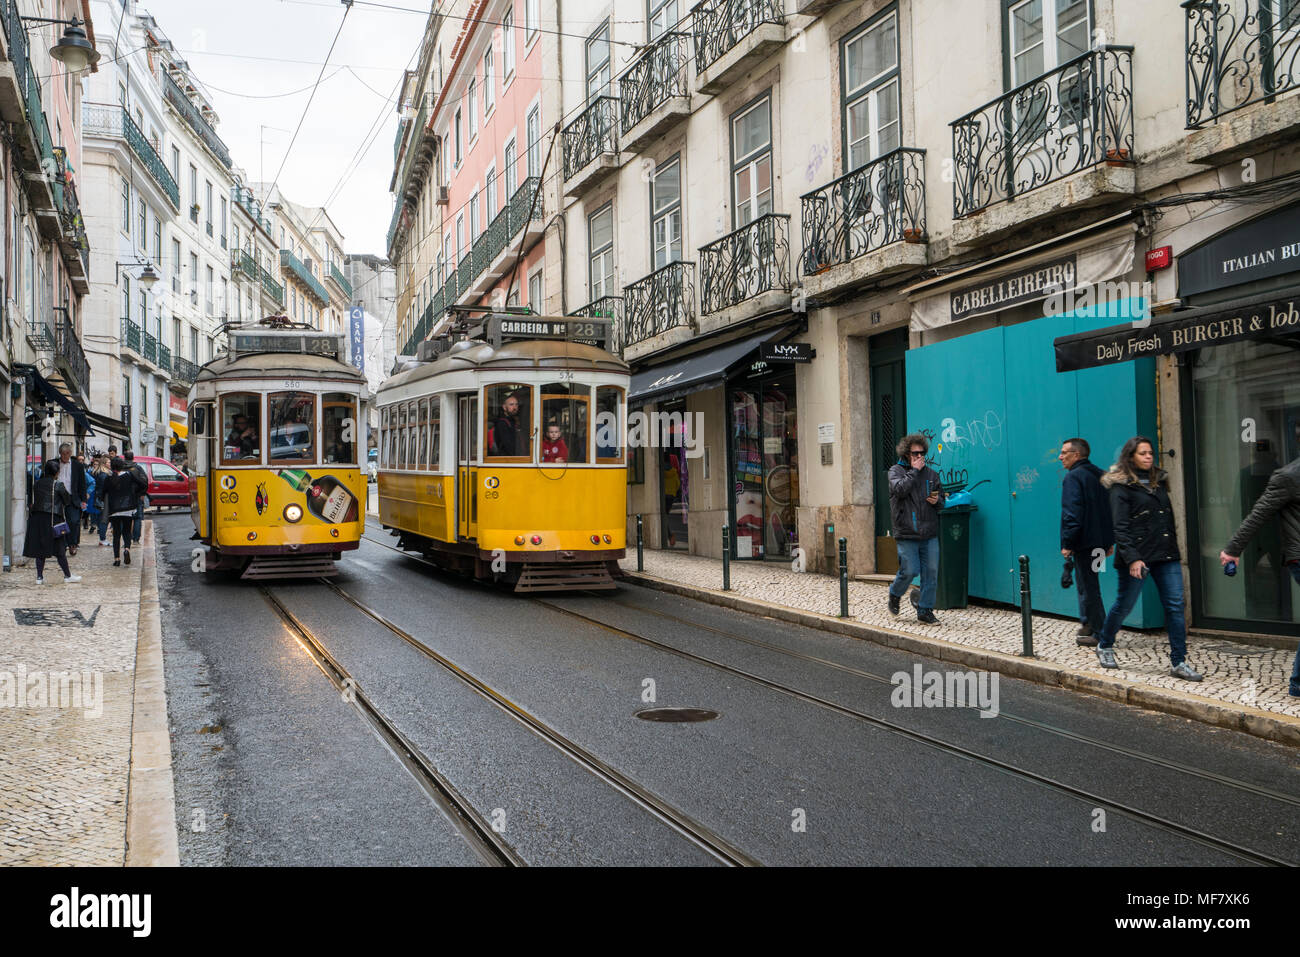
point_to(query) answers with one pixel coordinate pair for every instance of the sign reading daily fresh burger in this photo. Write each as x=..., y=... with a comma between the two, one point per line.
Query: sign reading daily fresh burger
x=1179, y=332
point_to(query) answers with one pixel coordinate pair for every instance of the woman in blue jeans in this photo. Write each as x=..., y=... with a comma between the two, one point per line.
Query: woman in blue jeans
x=1146, y=543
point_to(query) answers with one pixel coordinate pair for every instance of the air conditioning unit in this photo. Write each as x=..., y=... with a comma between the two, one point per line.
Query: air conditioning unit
x=444, y=196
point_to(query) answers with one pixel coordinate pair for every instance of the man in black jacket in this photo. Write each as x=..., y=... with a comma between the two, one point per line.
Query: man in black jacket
x=73, y=476
x=1281, y=498
x=1086, y=534
x=915, y=496
x=143, y=481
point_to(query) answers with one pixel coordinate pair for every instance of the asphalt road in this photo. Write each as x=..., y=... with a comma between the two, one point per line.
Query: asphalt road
x=808, y=761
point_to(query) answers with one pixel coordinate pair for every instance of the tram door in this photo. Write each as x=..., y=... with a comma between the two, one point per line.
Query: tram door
x=467, y=466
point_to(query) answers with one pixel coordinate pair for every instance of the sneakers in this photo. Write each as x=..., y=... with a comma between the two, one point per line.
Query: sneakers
x=1185, y=671
x=71, y=579
x=1107, y=657
x=926, y=617
x=893, y=604
x=103, y=544
x=914, y=597
x=40, y=581
x=126, y=556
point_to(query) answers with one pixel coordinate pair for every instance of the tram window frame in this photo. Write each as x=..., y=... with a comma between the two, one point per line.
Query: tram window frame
x=435, y=433
x=313, y=428
x=494, y=396
x=256, y=398
x=422, y=461
x=334, y=400
x=383, y=437
x=620, y=412
x=401, y=437
x=573, y=398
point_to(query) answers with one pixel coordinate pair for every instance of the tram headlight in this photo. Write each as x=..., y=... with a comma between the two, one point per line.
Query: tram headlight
x=293, y=512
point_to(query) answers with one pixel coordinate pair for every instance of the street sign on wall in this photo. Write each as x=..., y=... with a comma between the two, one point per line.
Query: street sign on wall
x=357, y=337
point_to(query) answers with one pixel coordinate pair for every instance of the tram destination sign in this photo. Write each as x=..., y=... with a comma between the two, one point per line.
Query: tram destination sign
x=590, y=332
x=303, y=344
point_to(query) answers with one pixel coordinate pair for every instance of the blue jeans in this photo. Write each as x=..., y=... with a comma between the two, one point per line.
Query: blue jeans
x=1168, y=577
x=1295, y=669
x=138, y=523
x=1091, y=611
x=917, y=558
x=101, y=523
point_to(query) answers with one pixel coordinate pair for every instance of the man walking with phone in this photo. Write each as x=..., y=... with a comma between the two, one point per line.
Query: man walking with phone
x=915, y=497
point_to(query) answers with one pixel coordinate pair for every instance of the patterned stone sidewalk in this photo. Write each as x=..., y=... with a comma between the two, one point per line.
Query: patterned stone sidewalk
x=67, y=747
x=1235, y=674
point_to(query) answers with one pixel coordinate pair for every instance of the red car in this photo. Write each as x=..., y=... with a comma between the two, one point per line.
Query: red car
x=168, y=485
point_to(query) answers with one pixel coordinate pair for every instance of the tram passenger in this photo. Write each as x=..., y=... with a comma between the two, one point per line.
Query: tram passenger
x=241, y=439
x=506, y=439
x=554, y=448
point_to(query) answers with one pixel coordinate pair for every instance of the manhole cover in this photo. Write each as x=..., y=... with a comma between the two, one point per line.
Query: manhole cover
x=677, y=714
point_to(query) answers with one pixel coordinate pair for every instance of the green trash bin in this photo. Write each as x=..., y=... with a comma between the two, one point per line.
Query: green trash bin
x=954, y=556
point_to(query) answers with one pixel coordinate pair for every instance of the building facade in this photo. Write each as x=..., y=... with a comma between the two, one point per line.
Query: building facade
x=311, y=261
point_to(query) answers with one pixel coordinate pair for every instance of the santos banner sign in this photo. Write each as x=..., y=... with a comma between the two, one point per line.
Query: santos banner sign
x=357, y=337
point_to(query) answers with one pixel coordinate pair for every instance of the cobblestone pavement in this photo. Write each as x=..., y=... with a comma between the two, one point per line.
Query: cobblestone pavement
x=66, y=755
x=1234, y=673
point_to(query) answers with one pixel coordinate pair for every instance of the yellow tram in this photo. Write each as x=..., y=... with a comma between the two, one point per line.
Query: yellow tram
x=276, y=426
x=504, y=457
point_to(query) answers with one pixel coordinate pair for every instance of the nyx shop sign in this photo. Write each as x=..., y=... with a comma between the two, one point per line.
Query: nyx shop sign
x=1026, y=286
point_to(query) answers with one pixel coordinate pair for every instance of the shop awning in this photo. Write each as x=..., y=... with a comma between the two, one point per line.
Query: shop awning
x=52, y=393
x=115, y=428
x=671, y=380
x=1268, y=318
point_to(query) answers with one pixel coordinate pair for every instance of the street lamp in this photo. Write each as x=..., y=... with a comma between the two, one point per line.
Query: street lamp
x=148, y=275
x=73, y=50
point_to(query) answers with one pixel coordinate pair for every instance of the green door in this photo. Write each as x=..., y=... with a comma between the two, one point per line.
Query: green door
x=885, y=354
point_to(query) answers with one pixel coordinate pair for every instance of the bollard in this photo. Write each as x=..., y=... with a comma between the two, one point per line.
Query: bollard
x=844, y=578
x=640, y=554
x=1026, y=615
x=726, y=558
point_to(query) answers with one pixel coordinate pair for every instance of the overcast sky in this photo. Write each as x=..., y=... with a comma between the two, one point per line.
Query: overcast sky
x=244, y=53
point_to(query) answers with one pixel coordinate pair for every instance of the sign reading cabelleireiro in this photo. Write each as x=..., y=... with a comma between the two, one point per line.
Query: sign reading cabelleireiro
x=1170, y=334
x=1012, y=290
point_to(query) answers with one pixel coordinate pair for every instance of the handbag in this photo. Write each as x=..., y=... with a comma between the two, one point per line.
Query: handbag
x=60, y=529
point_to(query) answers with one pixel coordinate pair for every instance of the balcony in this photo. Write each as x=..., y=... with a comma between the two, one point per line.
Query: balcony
x=241, y=261
x=41, y=333
x=105, y=120
x=73, y=241
x=69, y=357
x=606, y=307
x=1071, y=128
x=131, y=336
x=1241, y=64
x=398, y=225
x=660, y=310
x=244, y=198
x=732, y=37
x=164, y=357
x=274, y=290
x=408, y=181
x=174, y=95
x=150, y=347
x=591, y=145
x=295, y=267
x=20, y=104
x=866, y=225
x=184, y=371
x=341, y=281
x=653, y=92
x=750, y=266
x=493, y=253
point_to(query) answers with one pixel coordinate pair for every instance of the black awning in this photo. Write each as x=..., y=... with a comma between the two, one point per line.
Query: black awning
x=52, y=394
x=1274, y=316
x=694, y=372
x=114, y=428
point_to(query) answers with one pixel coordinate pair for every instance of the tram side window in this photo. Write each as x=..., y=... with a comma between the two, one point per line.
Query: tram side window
x=339, y=428
x=401, y=437
x=435, y=433
x=424, y=434
x=609, y=424
x=565, y=409
x=292, y=418
x=509, y=416
x=412, y=436
x=241, y=415
x=383, y=438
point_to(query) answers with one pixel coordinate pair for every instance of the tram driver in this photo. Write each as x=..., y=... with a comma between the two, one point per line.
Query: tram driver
x=241, y=438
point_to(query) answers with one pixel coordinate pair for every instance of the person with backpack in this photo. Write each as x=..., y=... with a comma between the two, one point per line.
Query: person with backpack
x=122, y=494
x=143, y=502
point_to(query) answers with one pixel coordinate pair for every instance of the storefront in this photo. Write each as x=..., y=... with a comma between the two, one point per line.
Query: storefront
x=1238, y=363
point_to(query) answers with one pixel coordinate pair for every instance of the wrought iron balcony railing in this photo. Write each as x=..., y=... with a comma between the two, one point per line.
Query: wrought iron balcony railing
x=131, y=336
x=594, y=132
x=663, y=300
x=68, y=349
x=272, y=288
x=190, y=113
x=497, y=237
x=606, y=307
x=107, y=120
x=742, y=264
x=164, y=357
x=1069, y=119
x=341, y=280
x=41, y=332
x=1239, y=52
x=657, y=75
x=65, y=198
x=183, y=370
x=150, y=346
x=719, y=25
x=242, y=261
x=243, y=196
x=877, y=204
x=300, y=271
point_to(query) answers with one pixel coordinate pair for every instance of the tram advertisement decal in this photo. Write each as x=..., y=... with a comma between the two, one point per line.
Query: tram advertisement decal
x=327, y=498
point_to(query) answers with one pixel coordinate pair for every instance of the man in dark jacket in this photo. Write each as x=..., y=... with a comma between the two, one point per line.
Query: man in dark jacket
x=143, y=481
x=1086, y=534
x=915, y=496
x=73, y=476
x=506, y=437
x=1281, y=498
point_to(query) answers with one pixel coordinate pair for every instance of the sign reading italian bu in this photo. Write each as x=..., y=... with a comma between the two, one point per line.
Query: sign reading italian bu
x=1264, y=247
x=1197, y=329
x=590, y=332
x=786, y=351
x=1026, y=285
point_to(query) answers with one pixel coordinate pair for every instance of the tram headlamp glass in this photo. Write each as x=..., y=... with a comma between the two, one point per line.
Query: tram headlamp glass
x=293, y=512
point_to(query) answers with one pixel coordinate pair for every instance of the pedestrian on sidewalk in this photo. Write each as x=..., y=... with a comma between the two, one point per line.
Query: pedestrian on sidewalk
x=1146, y=543
x=102, y=475
x=73, y=476
x=143, y=501
x=121, y=497
x=1085, y=529
x=47, y=524
x=915, y=497
x=89, y=514
x=1281, y=498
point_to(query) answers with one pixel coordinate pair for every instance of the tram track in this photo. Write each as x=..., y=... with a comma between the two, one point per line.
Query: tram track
x=1094, y=800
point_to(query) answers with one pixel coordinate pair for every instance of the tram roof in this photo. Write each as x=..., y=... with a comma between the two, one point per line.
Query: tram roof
x=539, y=354
x=279, y=363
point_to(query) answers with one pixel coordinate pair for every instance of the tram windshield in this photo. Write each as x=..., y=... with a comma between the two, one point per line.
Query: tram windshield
x=564, y=422
x=339, y=428
x=509, y=414
x=293, y=426
x=242, y=428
